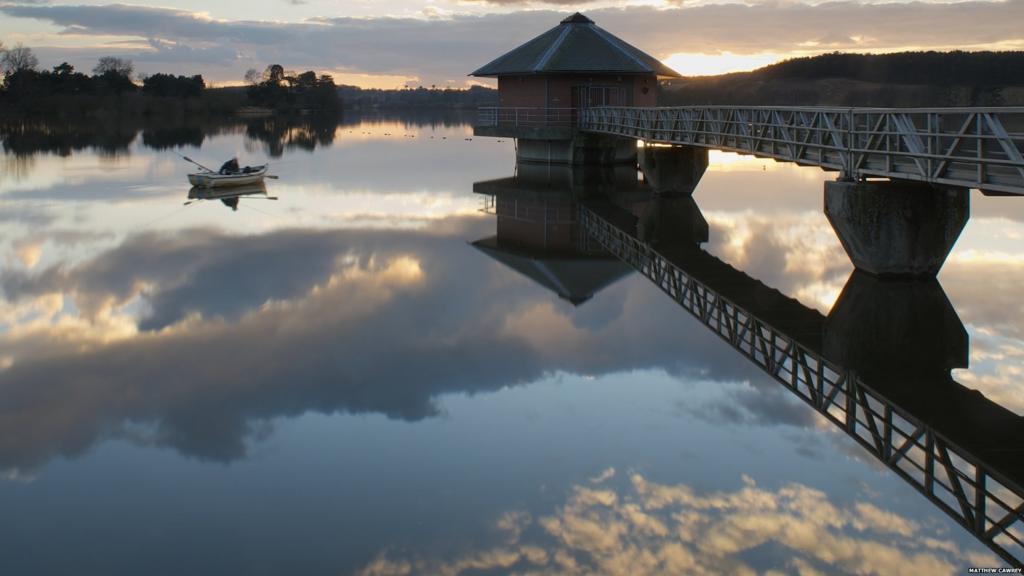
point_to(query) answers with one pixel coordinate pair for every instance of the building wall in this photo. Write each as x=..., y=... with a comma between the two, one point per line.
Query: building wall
x=560, y=94
x=645, y=91
x=521, y=91
x=531, y=91
x=560, y=91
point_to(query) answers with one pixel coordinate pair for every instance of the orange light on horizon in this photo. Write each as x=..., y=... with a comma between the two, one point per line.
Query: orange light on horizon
x=699, y=64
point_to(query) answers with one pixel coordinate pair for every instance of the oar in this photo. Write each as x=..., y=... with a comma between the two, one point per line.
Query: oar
x=272, y=176
x=187, y=159
x=246, y=197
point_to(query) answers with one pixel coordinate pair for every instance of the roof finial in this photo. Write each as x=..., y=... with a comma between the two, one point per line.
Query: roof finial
x=577, y=18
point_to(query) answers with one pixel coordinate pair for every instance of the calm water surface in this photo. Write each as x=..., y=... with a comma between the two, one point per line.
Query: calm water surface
x=347, y=380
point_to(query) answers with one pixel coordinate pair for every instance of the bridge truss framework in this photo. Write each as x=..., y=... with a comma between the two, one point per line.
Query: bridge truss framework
x=965, y=147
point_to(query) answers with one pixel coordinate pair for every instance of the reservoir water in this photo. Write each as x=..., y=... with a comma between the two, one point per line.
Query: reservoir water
x=414, y=362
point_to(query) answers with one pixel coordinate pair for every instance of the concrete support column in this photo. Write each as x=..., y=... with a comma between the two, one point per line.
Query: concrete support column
x=673, y=170
x=898, y=229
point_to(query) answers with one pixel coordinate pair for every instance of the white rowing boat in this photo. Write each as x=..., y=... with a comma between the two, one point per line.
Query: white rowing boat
x=244, y=177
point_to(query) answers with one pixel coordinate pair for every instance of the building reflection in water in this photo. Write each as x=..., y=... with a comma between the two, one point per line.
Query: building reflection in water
x=537, y=230
x=878, y=366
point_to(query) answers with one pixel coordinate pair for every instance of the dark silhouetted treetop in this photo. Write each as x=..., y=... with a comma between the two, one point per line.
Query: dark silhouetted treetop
x=169, y=85
x=112, y=64
x=285, y=90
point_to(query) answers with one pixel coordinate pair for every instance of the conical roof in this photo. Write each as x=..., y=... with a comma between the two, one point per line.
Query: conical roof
x=576, y=45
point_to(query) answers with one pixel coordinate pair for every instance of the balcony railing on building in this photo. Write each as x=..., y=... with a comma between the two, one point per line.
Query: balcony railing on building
x=527, y=117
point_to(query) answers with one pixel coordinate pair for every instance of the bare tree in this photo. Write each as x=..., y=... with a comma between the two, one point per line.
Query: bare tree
x=119, y=66
x=18, y=58
x=252, y=76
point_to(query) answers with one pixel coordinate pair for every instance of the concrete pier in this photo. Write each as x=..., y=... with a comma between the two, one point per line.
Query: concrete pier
x=673, y=170
x=896, y=229
x=672, y=220
x=902, y=331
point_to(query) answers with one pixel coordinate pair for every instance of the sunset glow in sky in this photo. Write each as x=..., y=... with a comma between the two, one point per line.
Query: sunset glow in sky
x=698, y=64
x=398, y=42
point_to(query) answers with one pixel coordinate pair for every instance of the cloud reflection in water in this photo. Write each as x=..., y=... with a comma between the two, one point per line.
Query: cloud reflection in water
x=642, y=527
x=205, y=336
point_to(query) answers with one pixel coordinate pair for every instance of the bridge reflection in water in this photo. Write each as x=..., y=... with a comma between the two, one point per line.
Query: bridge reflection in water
x=878, y=366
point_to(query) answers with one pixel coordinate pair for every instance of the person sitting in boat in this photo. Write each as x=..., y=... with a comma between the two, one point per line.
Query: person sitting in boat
x=230, y=167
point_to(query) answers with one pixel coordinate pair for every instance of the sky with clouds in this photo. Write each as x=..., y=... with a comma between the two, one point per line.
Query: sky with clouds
x=399, y=42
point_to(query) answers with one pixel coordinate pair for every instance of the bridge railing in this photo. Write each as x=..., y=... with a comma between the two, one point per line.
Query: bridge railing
x=516, y=117
x=991, y=507
x=969, y=147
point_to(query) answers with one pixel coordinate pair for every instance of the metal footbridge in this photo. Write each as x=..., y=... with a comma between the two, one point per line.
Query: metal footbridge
x=965, y=147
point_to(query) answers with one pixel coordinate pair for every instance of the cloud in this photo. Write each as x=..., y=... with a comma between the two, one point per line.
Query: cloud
x=651, y=528
x=439, y=50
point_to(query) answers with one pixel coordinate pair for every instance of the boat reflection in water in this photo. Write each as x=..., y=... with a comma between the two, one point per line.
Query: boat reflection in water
x=878, y=366
x=230, y=196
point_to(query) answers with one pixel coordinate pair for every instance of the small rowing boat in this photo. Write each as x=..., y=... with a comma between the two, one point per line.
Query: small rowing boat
x=224, y=178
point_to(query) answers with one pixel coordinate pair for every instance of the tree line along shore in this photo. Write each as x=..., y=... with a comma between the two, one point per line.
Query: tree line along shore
x=114, y=88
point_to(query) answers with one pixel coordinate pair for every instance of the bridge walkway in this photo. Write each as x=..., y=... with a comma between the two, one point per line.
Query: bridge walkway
x=980, y=148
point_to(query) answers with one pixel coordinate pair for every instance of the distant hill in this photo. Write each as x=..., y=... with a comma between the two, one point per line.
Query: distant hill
x=900, y=79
